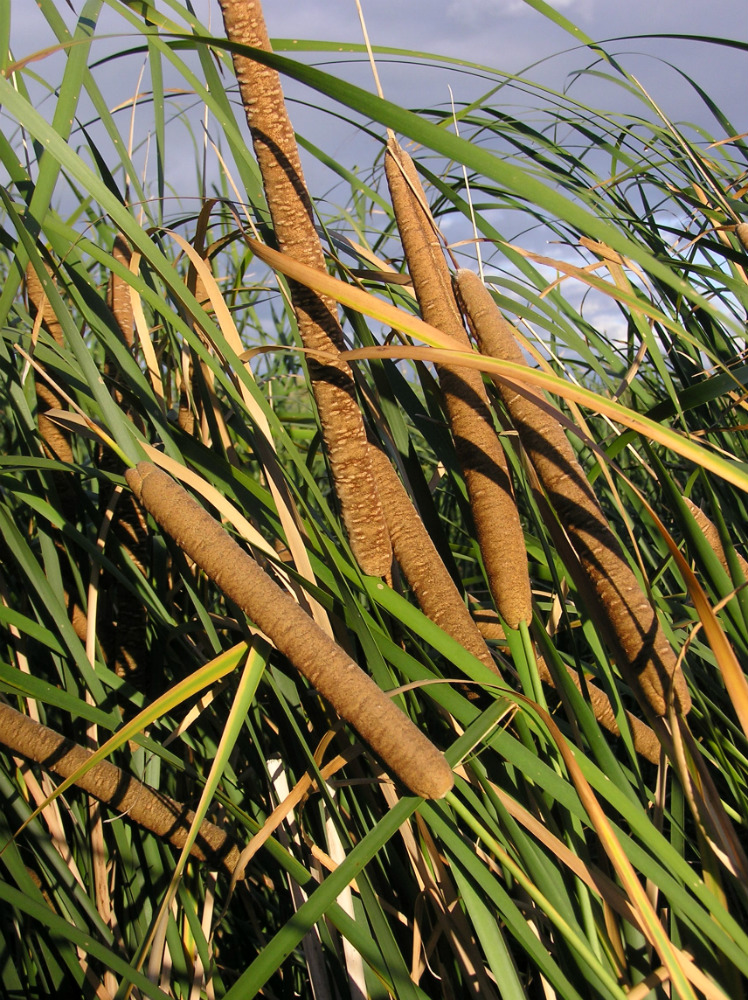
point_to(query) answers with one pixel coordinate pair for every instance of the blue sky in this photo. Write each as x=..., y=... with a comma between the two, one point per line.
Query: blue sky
x=509, y=35
x=506, y=34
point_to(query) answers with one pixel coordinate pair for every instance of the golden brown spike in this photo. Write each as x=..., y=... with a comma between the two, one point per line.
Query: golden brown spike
x=711, y=534
x=56, y=441
x=644, y=739
x=293, y=221
x=623, y=610
x=351, y=692
x=741, y=231
x=118, y=291
x=421, y=564
x=120, y=791
x=40, y=303
x=479, y=451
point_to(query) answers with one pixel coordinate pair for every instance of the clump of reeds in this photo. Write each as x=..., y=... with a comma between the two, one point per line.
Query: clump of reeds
x=478, y=448
x=293, y=223
x=621, y=608
x=351, y=692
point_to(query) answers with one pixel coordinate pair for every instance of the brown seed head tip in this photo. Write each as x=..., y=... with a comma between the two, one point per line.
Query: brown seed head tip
x=464, y=278
x=742, y=233
x=135, y=477
x=375, y=564
x=133, y=480
x=437, y=782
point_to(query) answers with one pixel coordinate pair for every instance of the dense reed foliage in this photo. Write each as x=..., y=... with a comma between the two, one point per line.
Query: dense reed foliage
x=219, y=397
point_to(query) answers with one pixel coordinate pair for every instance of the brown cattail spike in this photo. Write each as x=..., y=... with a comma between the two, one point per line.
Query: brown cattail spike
x=422, y=565
x=351, y=692
x=710, y=532
x=128, y=647
x=56, y=441
x=131, y=798
x=118, y=291
x=642, y=650
x=479, y=451
x=293, y=221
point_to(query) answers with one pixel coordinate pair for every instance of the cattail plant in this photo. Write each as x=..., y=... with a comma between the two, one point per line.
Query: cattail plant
x=625, y=613
x=293, y=222
x=479, y=451
x=145, y=806
x=351, y=692
x=515, y=882
x=643, y=738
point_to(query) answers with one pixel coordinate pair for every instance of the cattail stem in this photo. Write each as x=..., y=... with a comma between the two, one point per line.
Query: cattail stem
x=621, y=608
x=140, y=804
x=479, y=451
x=293, y=222
x=351, y=692
x=532, y=665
